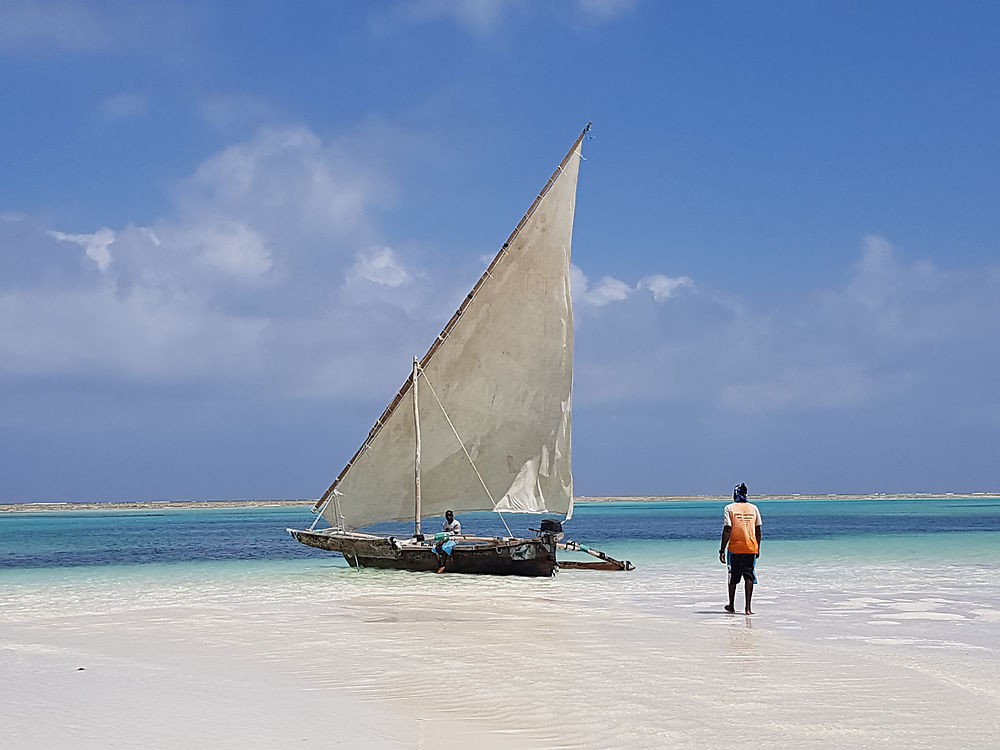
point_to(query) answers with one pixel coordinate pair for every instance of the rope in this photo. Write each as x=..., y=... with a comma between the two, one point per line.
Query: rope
x=462, y=443
x=321, y=508
x=319, y=515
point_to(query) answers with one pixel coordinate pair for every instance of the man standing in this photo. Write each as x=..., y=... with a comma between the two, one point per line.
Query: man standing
x=741, y=533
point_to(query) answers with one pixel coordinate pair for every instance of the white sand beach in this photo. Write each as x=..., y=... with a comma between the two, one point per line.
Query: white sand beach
x=281, y=655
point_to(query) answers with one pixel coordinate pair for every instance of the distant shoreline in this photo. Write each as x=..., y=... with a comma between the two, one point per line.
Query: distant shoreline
x=57, y=507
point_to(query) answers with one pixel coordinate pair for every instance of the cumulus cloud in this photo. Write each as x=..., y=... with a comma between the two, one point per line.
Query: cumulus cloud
x=258, y=253
x=270, y=274
x=605, y=291
x=269, y=282
x=897, y=332
x=143, y=338
x=664, y=287
x=610, y=289
x=96, y=245
x=227, y=249
x=379, y=265
x=80, y=324
x=284, y=176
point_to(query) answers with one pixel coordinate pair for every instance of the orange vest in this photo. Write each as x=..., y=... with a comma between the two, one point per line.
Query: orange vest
x=744, y=518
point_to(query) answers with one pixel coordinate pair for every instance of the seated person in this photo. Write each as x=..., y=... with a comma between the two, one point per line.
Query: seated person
x=443, y=548
x=451, y=524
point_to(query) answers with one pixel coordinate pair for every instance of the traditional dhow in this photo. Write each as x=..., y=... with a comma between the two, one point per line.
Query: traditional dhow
x=482, y=423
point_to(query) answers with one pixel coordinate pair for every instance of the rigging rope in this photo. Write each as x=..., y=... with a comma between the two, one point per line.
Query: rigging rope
x=462, y=443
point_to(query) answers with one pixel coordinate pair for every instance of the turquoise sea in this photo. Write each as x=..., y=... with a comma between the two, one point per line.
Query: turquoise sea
x=945, y=529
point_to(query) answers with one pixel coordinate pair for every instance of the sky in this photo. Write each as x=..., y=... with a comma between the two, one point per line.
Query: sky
x=226, y=228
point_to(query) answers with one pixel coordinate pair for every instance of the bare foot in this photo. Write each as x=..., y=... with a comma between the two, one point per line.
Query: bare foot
x=748, y=612
x=730, y=609
x=441, y=569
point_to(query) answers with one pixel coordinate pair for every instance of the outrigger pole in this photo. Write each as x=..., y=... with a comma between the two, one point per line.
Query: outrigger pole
x=608, y=563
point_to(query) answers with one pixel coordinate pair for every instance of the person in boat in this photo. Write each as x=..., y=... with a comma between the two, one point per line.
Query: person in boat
x=451, y=524
x=443, y=548
x=740, y=546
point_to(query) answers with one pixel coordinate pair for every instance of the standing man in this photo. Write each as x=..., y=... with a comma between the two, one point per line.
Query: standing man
x=741, y=533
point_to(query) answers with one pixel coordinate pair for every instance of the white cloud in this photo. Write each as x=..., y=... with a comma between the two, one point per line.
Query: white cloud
x=96, y=245
x=607, y=290
x=144, y=337
x=663, y=287
x=282, y=177
x=896, y=333
x=257, y=278
x=230, y=249
x=264, y=234
x=379, y=265
x=610, y=289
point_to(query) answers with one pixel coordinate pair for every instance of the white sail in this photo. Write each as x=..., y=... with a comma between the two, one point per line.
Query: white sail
x=502, y=370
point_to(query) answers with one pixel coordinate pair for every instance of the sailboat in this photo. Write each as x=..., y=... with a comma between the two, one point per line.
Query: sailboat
x=482, y=422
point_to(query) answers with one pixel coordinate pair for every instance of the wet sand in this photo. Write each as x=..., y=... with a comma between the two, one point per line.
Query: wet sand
x=238, y=655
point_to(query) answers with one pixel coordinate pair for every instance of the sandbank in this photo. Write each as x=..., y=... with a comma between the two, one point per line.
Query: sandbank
x=279, y=655
x=116, y=505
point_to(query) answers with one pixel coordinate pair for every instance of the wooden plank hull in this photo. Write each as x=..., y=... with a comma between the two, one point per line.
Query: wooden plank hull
x=517, y=557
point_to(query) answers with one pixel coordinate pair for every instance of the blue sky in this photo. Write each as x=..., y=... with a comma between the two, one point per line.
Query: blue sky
x=226, y=227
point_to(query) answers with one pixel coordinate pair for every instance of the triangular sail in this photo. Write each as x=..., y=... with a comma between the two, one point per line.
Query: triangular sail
x=502, y=369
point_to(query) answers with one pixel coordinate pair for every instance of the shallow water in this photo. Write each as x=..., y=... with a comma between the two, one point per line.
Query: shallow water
x=875, y=623
x=842, y=527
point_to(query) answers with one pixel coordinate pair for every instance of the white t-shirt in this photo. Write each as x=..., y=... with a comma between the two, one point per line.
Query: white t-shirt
x=452, y=528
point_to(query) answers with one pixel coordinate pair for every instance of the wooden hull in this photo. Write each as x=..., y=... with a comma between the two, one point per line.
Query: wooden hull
x=507, y=557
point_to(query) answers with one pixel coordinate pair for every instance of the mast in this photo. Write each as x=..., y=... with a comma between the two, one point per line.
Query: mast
x=416, y=452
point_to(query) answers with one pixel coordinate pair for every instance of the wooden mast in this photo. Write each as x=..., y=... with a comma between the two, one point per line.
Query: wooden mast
x=416, y=452
x=487, y=274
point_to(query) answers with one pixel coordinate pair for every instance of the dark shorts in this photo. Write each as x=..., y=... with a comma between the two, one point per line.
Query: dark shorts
x=741, y=566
